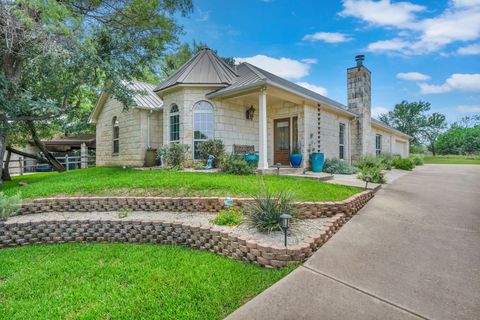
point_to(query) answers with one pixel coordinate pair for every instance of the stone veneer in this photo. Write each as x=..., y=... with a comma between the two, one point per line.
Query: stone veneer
x=306, y=210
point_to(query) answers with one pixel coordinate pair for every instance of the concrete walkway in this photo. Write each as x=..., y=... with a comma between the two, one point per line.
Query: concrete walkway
x=412, y=252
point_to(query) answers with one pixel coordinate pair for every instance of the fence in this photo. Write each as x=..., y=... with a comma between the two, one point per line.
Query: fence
x=21, y=165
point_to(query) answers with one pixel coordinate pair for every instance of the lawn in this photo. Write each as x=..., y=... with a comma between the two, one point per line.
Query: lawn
x=118, y=181
x=452, y=159
x=125, y=281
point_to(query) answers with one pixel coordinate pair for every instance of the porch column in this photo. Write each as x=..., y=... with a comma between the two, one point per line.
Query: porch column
x=262, y=122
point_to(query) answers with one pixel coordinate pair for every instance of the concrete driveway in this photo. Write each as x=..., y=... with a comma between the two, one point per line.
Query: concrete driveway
x=412, y=252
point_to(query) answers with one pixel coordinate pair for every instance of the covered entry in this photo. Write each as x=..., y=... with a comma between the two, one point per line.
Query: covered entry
x=281, y=137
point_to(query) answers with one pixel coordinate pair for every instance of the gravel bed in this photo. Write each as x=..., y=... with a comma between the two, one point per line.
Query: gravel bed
x=298, y=231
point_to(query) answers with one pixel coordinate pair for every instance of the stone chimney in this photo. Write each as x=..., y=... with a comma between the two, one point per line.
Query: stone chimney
x=359, y=102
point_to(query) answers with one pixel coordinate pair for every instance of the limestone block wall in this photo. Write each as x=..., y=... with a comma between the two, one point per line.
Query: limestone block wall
x=330, y=135
x=133, y=134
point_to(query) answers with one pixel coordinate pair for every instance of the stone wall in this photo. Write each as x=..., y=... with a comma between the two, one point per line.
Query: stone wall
x=194, y=204
x=133, y=135
x=330, y=135
x=161, y=232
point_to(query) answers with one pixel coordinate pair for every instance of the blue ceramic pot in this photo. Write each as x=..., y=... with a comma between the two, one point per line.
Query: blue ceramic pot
x=296, y=159
x=318, y=160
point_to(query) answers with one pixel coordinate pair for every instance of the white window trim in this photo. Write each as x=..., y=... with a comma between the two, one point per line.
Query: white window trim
x=195, y=111
x=342, y=125
x=170, y=115
x=378, y=148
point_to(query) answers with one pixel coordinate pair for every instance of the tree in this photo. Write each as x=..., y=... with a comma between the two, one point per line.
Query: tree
x=407, y=117
x=462, y=137
x=431, y=129
x=55, y=51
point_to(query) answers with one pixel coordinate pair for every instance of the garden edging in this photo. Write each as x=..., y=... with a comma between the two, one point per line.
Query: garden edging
x=306, y=210
x=197, y=236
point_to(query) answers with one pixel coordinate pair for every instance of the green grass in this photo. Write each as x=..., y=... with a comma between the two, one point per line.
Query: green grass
x=125, y=281
x=118, y=181
x=452, y=159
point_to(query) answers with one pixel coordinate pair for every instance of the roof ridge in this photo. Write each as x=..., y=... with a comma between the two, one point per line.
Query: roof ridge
x=255, y=70
x=196, y=58
x=212, y=62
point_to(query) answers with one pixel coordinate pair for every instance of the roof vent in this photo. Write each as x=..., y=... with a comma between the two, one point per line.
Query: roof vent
x=359, y=59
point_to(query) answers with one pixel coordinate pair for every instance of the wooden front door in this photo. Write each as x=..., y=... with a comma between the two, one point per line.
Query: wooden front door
x=281, y=141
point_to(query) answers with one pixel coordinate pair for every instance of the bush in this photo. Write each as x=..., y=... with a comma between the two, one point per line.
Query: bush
x=339, y=166
x=418, y=159
x=264, y=213
x=9, y=206
x=387, y=160
x=230, y=217
x=173, y=155
x=214, y=148
x=404, y=164
x=369, y=161
x=234, y=163
x=199, y=165
x=376, y=174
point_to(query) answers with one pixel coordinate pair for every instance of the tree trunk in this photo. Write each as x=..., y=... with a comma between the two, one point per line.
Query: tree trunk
x=3, y=146
x=432, y=146
x=50, y=158
x=6, y=170
x=26, y=155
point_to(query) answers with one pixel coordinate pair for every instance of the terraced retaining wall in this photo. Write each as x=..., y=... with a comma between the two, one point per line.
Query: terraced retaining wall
x=191, y=235
x=102, y=204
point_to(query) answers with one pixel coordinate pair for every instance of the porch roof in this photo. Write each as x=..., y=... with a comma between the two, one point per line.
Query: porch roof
x=251, y=76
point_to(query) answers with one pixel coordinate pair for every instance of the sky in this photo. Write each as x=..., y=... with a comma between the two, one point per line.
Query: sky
x=416, y=50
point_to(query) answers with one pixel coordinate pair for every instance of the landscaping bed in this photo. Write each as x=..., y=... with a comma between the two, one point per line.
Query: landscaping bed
x=125, y=281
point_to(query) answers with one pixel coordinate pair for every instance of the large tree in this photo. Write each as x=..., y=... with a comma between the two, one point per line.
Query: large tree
x=53, y=52
x=433, y=126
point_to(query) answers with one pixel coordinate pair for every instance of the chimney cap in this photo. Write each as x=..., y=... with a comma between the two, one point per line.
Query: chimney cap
x=359, y=59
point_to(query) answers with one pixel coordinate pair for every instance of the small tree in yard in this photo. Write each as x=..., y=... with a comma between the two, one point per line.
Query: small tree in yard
x=54, y=52
x=434, y=125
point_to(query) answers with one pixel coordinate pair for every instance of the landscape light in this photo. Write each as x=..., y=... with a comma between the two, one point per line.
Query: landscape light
x=367, y=180
x=285, y=224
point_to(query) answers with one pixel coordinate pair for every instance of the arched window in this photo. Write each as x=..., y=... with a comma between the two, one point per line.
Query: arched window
x=174, y=124
x=116, y=136
x=202, y=125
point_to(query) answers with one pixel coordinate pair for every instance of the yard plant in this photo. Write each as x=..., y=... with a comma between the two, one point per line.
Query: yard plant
x=404, y=164
x=339, y=167
x=229, y=217
x=212, y=147
x=236, y=164
x=9, y=205
x=125, y=281
x=173, y=155
x=130, y=182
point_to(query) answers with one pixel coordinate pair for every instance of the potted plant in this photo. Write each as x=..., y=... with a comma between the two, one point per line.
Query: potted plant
x=296, y=156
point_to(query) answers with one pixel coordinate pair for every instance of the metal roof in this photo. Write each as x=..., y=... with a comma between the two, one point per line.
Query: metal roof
x=386, y=126
x=205, y=67
x=145, y=98
x=251, y=76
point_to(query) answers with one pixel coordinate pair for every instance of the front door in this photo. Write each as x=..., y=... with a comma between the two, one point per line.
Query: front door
x=281, y=137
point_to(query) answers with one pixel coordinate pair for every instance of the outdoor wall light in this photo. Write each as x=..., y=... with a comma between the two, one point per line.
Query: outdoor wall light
x=250, y=113
x=285, y=224
x=367, y=180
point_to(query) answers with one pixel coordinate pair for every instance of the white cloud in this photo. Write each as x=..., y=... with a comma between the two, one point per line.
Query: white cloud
x=468, y=109
x=456, y=82
x=310, y=60
x=320, y=90
x=459, y=22
x=282, y=67
x=329, y=37
x=382, y=13
x=378, y=111
x=412, y=76
x=388, y=45
x=472, y=49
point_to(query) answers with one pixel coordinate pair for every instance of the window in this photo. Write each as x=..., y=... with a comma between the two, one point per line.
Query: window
x=378, y=144
x=174, y=124
x=341, y=141
x=202, y=125
x=116, y=135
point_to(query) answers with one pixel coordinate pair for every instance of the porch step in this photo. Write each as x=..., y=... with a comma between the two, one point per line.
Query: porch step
x=283, y=171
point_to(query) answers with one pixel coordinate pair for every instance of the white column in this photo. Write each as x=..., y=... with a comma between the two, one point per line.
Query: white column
x=83, y=156
x=262, y=123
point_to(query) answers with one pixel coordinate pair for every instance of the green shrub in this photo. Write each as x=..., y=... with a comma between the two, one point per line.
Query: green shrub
x=124, y=212
x=418, y=159
x=173, y=155
x=234, y=163
x=404, y=164
x=369, y=161
x=264, y=213
x=199, y=165
x=387, y=160
x=230, y=217
x=376, y=174
x=214, y=148
x=339, y=166
x=9, y=206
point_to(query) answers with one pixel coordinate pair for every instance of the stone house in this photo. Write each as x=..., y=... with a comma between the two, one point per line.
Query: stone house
x=247, y=108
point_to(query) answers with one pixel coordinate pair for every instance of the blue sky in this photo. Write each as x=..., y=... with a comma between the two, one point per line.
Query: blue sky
x=418, y=50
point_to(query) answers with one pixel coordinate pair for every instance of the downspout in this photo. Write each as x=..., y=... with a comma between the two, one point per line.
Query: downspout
x=149, y=129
